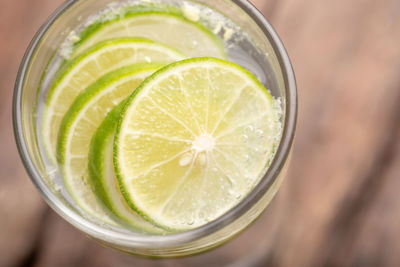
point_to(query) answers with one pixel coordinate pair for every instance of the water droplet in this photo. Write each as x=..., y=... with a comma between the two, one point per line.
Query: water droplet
x=214, y=170
x=57, y=187
x=245, y=137
x=250, y=128
x=238, y=196
x=247, y=157
x=260, y=132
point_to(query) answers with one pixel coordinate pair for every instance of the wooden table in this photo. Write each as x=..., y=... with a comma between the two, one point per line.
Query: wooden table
x=342, y=194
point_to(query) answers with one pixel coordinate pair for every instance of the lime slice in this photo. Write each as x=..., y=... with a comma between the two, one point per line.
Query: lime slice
x=81, y=122
x=86, y=69
x=162, y=24
x=193, y=140
x=101, y=173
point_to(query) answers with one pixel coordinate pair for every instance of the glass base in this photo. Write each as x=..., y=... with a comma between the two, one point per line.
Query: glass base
x=250, y=248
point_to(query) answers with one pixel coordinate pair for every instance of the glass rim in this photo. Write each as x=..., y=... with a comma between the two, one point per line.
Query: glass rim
x=142, y=241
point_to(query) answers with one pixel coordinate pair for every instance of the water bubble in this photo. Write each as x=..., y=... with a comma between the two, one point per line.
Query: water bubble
x=260, y=132
x=190, y=222
x=57, y=187
x=52, y=172
x=228, y=33
x=250, y=128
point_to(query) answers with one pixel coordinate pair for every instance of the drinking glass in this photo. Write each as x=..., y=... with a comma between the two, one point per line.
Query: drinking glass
x=277, y=75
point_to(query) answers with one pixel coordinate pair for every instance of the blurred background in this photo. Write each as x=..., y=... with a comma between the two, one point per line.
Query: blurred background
x=340, y=203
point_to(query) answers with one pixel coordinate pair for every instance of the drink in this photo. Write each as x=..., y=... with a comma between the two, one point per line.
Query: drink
x=99, y=66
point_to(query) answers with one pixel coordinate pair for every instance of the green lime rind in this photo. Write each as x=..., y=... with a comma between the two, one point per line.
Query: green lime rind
x=42, y=78
x=99, y=173
x=83, y=99
x=50, y=124
x=90, y=92
x=171, y=67
x=98, y=145
x=138, y=10
x=66, y=69
x=109, y=18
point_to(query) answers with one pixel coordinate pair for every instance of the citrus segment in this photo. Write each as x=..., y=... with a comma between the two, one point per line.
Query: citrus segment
x=86, y=69
x=101, y=173
x=193, y=140
x=165, y=25
x=83, y=119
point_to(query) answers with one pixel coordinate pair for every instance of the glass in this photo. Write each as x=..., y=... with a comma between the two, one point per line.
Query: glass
x=278, y=77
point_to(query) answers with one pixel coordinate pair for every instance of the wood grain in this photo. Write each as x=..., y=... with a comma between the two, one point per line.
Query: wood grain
x=339, y=205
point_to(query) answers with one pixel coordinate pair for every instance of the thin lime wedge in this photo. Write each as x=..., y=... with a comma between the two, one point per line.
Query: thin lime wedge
x=164, y=24
x=86, y=69
x=101, y=173
x=193, y=140
x=81, y=122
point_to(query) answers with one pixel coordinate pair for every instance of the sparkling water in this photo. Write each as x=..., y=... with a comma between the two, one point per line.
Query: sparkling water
x=239, y=46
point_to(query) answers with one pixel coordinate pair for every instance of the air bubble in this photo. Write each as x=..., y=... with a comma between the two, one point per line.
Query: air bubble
x=52, y=172
x=250, y=128
x=191, y=12
x=57, y=187
x=217, y=28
